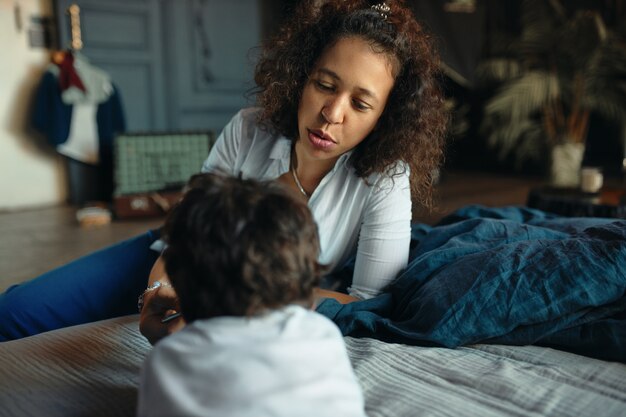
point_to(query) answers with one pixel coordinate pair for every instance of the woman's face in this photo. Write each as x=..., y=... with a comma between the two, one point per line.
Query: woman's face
x=343, y=99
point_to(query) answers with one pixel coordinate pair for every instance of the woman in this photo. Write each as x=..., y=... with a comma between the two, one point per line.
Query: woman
x=349, y=117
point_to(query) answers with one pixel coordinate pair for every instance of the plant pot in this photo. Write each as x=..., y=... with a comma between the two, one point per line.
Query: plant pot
x=566, y=162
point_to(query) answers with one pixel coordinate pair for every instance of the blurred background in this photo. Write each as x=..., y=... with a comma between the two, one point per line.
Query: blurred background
x=526, y=82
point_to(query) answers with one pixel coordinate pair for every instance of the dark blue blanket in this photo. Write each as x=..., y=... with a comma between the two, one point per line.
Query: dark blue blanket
x=508, y=276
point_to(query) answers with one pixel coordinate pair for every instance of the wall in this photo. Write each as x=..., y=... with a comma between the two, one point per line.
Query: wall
x=31, y=173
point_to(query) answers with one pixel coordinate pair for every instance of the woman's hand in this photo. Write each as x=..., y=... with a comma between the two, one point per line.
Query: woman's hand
x=158, y=304
x=319, y=294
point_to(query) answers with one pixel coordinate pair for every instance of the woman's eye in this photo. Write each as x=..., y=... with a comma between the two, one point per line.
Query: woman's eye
x=324, y=86
x=359, y=105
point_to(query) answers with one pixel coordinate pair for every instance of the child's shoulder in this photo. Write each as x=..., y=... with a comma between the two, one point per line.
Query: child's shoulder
x=311, y=323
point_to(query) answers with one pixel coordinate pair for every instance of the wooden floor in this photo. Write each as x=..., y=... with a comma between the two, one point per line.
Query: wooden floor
x=458, y=189
x=35, y=241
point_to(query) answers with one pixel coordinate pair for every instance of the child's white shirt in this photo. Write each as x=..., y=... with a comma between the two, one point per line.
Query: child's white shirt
x=288, y=362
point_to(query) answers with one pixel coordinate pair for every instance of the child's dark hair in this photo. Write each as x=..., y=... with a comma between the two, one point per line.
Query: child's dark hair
x=411, y=129
x=238, y=247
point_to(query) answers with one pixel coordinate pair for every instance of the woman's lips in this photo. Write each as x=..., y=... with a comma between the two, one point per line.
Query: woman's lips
x=320, y=139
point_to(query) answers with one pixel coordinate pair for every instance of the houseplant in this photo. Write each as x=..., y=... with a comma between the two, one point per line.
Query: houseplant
x=562, y=68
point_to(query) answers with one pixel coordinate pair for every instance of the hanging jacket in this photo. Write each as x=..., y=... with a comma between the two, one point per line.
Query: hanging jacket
x=53, y=117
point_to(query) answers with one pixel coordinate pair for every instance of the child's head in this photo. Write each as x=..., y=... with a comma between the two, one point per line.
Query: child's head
x=238, y=247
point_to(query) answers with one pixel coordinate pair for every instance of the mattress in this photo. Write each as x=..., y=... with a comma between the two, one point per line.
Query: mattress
x=93, y=370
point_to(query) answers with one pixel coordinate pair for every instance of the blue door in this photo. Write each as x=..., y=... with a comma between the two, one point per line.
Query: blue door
x=178, y=64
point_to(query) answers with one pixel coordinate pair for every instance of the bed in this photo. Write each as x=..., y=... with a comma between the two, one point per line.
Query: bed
x=501, y=312
x=92, y=370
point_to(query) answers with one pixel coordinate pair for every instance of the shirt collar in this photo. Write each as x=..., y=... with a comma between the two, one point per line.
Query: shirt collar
x=281, y=149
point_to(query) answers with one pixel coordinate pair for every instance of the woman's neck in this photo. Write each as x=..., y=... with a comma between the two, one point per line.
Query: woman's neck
x=309, y=172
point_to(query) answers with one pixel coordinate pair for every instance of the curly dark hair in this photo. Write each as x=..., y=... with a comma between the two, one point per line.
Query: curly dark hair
x=238, y=247
x=412, y=127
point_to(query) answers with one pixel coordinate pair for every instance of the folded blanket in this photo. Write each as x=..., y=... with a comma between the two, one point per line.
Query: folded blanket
x=504, y=275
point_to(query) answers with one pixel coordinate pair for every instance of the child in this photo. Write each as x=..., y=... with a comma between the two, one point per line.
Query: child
x=242, y=257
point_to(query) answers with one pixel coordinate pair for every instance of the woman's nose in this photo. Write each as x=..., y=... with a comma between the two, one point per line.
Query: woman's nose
x=333, y=111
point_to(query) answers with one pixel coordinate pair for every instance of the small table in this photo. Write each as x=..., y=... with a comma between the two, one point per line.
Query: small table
x=609, y=202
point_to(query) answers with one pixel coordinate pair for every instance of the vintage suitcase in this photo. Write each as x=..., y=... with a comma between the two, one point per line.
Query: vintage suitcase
x=145, y=204
x=150, y=170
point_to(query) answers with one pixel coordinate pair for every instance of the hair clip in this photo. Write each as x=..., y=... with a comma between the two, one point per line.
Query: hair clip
x=382, y=9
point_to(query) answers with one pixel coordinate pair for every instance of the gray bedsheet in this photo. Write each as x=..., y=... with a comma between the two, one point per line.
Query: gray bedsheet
x=92, y=370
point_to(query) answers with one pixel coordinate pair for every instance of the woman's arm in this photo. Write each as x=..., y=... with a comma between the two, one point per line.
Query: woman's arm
x=157, y=304
x=384, y=238
x=163, y=301
x=319, y=294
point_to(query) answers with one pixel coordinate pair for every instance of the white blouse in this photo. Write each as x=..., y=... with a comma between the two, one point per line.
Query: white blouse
x=371, y=217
